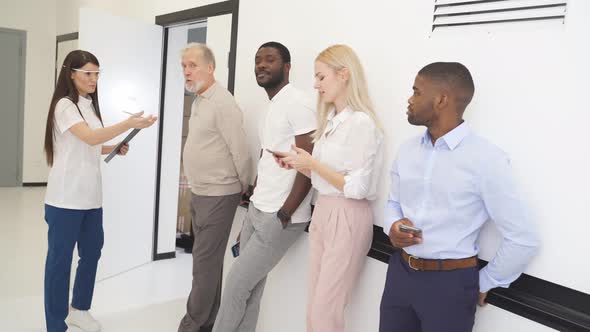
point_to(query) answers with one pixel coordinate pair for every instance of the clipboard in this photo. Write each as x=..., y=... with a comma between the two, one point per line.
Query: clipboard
x=118, y=147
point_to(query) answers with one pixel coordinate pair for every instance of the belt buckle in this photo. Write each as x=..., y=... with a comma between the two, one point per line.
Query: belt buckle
x=410, y=262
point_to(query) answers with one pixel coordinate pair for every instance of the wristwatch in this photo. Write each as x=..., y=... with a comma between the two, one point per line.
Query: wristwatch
x=283, y=216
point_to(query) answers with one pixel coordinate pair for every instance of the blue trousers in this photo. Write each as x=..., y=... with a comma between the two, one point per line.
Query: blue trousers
x=68, y=228
x=428, y=301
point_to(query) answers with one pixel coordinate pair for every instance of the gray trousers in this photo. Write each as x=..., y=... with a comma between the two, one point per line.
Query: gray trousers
x=262, y=245
x=212, y=218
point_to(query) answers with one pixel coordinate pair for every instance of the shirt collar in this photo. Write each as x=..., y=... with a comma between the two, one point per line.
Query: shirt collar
x=83, y=101
x=209, y=92
x=334, y=120
x=283, y=92
x=452, y=139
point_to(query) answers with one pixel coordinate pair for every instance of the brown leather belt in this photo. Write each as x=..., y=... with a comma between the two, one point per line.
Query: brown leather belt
x=421, y=264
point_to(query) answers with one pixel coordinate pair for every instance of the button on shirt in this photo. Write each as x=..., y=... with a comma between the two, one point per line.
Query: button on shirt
x=449, y=190
x=290, y=113
x=350, y=145
x=74, y=180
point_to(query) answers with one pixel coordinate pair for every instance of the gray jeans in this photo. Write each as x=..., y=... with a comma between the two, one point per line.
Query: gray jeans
x=263, y=243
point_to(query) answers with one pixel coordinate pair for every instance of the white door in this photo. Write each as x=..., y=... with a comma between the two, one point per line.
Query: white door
x=130, y=56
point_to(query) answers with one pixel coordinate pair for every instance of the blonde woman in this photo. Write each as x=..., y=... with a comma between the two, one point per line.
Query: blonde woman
x=342, y=168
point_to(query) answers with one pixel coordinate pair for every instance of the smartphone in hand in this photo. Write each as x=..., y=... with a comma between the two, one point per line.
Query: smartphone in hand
x=235, y=249
x=277, y=154
x=409, y=229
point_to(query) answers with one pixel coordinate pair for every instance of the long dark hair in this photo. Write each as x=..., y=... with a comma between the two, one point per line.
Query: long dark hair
x=65, y=88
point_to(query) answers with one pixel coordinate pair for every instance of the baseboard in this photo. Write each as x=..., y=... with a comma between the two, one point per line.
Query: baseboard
x=34, y=184
x=165, y=255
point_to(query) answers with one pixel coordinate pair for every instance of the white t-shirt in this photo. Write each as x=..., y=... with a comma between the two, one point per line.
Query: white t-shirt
x=351, y=145
x=74, y=179
x=290, y=113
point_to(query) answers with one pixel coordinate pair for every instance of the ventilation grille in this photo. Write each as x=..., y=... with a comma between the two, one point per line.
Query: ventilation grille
x=448, y=13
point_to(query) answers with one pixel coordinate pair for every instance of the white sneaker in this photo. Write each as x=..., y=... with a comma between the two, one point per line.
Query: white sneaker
x=83, y=320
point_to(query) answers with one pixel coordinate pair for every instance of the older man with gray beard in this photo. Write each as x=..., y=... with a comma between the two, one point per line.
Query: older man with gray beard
x=217, y=163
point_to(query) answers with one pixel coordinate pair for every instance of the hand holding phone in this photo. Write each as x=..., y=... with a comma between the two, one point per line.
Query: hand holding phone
x=410, y=229
x=278, y=158
x=403, y=234
x=277, y=154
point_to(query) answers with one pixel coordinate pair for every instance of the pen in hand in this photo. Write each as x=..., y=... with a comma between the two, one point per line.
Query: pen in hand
x=132, y=114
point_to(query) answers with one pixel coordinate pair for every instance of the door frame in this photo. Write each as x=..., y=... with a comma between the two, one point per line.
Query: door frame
x=59, y=39
x=22, y=34
x=174, y=19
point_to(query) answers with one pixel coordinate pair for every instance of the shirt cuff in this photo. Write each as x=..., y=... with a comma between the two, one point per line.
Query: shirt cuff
x=486, y=282
x=67, y=125
x=304, y=130
x=350, y=189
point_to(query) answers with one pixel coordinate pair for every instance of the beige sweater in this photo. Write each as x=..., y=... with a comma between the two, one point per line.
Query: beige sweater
x=216, y=157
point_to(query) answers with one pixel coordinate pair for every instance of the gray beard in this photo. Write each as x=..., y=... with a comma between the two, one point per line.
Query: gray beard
x=196, y=86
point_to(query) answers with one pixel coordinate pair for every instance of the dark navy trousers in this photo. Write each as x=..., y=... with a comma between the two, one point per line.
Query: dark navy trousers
x=68, y=228
x=428, y=301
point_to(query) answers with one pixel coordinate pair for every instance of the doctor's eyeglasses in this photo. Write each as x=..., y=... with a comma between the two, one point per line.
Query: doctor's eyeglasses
x=88, y=73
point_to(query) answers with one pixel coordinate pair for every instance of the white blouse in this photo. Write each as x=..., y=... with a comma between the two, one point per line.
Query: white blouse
x=74, y=179
x=350, y=145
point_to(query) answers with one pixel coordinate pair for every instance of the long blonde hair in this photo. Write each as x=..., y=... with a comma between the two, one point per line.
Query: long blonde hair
x=339, y=57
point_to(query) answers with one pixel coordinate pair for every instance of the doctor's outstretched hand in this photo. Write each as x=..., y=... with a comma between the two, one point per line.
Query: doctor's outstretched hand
x=138, y=121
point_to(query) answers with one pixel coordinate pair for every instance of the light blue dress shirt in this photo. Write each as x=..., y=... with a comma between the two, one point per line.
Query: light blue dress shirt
x=449, y=190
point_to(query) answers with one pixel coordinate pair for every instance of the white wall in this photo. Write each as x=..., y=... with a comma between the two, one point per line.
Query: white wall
x=69, y=11
x=143, y=10
x=38, y=19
